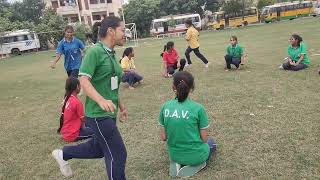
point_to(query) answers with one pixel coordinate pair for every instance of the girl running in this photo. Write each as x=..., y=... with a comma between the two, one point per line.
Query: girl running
x=192, y=38
x=171, y=60
x=72, y=116
x=184, y=126
x=72, y=49
x=100, y=76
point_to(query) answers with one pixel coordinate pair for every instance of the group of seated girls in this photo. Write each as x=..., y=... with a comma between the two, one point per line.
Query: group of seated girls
x=297, y=54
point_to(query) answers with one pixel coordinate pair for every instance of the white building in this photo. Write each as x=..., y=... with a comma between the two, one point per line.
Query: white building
x=85, y=11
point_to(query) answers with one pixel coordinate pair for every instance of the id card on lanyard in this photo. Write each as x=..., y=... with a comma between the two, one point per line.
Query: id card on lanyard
x=114, y=78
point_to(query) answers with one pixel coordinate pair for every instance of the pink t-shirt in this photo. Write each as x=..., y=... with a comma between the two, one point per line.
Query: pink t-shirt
x=73, y=113
x=170, y=57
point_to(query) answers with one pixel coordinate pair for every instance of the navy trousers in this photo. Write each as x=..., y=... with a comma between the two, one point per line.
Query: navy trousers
x=106, y=142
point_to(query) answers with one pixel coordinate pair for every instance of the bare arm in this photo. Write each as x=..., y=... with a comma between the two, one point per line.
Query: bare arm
x=300, y=59
x=123, y=111
x=163, y=135
x=90, y=91
x=204, y=135
x=53, y=65
x=165, y=73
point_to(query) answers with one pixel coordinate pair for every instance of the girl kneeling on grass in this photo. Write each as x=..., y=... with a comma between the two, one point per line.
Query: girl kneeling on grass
x=171, y=60
x=235, y=54
x=127, y=63
x=72, y=116
x=298, y=58
x=184, y=126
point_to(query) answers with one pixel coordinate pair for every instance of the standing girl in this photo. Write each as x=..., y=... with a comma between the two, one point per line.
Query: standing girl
x=184, y=125
x=192, y=38
x=72, y=49
x=234, y=55
x=298, y=58
x=127, y=63
x=171, y=60
x=72, y=116
x=100, y=75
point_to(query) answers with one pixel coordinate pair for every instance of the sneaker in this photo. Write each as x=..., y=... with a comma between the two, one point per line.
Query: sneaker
x=64, y=165
x=281, y=67
x=207, y=65
x=188, y=171
x=131, y=87
x=187, y=65
x=174, y=169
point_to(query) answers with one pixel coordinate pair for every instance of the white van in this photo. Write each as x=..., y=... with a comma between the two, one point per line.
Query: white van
x=18, y=41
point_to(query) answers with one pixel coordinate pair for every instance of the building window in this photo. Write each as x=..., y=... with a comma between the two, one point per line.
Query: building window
x=111, y=14
x=54, y=4
x=102, y=1
x=109, y=1
x=68, y=2
x=74, y=19
x=96, y=17
x=93, y=1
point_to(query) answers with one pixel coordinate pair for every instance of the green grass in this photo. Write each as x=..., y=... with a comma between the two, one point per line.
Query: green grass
x=280, y=141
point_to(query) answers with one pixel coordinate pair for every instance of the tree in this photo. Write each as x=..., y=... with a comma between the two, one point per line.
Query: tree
x=27, y=10
x=263, y=3
x=213, y=5
x=142, y=12
x=233, y=6
x=50, y=29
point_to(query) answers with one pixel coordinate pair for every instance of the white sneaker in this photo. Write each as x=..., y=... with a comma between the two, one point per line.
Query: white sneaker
x=281, y=67
x=64, y=165
x=207, y=65
x=187, y=65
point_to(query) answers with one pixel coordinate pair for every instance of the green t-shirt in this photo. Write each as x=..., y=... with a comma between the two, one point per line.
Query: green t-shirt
x=295, y=53
x=236, y=51
x=100, y=65
x=182, y=123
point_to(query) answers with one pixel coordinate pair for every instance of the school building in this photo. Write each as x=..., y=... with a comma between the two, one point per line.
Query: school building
x=85, y=11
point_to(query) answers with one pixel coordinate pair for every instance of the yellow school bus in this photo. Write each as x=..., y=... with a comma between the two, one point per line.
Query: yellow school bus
x=242, y=18
x=287, y=10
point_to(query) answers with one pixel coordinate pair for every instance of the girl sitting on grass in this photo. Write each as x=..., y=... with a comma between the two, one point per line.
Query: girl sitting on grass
x=297, y=55
x=234, y=55
x=72, y=116
x=184, y=125
x=127, y=63
x=171, y=60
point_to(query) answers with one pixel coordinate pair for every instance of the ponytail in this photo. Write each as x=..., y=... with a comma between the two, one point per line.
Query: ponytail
x=72, y=84
x=182, y=91
x=95, y=32
x=164, y=50
x=66, y=98
x=183, y=83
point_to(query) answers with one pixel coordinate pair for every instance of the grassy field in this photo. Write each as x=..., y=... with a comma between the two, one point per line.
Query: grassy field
x=280, y=139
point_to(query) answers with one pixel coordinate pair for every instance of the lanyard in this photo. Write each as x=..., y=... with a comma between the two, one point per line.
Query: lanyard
x=111, y=58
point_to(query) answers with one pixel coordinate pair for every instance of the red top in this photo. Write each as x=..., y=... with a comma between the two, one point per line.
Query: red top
x=170, y=57
x=73, y=113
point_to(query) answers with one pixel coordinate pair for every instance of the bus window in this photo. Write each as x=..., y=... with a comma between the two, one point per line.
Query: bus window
x=253, y=12
x=30, y=37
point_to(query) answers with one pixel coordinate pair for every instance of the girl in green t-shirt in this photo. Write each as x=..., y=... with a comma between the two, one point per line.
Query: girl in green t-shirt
x=234, y=54
x=184, y=125
x=297, y=55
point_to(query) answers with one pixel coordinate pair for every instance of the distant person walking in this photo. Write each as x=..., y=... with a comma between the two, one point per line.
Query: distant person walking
x=192, y=38
x=71, y=48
